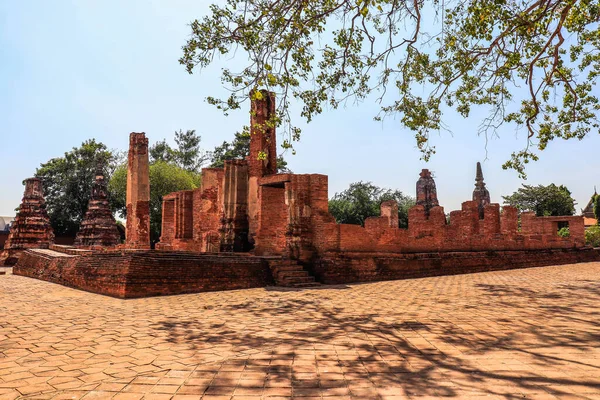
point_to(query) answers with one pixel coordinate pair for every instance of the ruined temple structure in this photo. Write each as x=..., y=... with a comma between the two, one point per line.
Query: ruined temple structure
x=31, y=228
x=137, y=235
x=248, y=226
x=480, y=194
x=246, y=206
x=426, y=191
x=98, y=227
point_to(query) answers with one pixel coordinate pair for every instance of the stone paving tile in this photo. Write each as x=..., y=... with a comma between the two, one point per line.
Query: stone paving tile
x=531, y=333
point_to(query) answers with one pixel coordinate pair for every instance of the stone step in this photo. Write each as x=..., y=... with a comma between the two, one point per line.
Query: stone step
x=305, y=285
x=290, y=274
x=298, y=279
x=294, y=267
x=296, y=273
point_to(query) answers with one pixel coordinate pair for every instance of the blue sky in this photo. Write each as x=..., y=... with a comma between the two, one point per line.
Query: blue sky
x=73, y=70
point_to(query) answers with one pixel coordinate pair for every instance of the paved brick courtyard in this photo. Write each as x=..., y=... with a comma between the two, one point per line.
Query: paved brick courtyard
x=532, y=333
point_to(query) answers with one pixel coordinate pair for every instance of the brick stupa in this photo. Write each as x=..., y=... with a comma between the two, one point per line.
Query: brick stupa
x=426, y=191
x=31, y=228
x=480, y=194
x=98, y=228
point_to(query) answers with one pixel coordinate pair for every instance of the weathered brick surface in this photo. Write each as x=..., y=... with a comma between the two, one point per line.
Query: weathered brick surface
x=480, y=194
x=347, y=267
x=426, y=191
x=31, y=228
x=98, y=227
x=138, y=193
x=146, y=273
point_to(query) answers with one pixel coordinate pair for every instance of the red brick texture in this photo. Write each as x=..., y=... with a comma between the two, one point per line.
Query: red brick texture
x=138, y=193
x=348, y=267
x=147, y=273
x=98, y=227
x=31, y=228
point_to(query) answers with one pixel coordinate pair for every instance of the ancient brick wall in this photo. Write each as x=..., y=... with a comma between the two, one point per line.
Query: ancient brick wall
x=147, y=273
x=104, y=273
x=464, y=232
x=348, y=267
x=235, y=206
x=273, y=221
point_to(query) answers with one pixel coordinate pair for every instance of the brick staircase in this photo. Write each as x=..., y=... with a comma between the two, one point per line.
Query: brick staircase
x=289, y=273
x=73, y=251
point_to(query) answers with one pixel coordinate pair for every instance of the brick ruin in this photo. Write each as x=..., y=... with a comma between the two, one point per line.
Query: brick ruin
x=98, y=227
x=31, y=228
x=480, y=194
x=247, y=206
x=248, y=226
x=137, y=234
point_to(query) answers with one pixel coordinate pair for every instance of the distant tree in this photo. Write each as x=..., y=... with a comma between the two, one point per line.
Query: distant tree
x=239, y=148
x=161, y=151
x=188, y=154
x=596, y=202
x=548, y=200
x=363, y=199
x=68, y=183
x=165, y=178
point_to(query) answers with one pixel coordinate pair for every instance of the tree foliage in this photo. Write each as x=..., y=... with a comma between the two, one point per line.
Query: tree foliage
x=165, y=178
x=546, y=201
x=592, y=236
x=239, y=148
x=596, y=204
x=68, y=183
x=188, y=154
x=363, y=199
x=419, y=59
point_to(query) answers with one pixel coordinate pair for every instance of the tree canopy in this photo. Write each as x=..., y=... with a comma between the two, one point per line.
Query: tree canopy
x=545, y=201
x=68, y=181
x=419, y=59
x=188, y=154
x=165, y=178
x=238, y=148
x=363, y=199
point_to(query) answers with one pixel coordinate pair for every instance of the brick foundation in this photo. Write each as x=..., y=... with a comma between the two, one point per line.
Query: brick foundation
x=146, y=273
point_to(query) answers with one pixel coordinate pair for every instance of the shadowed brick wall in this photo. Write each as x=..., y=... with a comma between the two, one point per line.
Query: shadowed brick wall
x=147, y=273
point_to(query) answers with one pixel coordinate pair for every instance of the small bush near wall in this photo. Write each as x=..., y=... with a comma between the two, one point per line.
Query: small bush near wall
x=592, y=236
x=564, y=232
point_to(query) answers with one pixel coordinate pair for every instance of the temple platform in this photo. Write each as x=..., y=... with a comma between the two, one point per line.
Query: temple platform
x=146, y=273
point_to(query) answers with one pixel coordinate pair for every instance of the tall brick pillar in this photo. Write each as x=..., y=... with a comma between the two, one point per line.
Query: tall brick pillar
x=263, y=144
x=480, y=194
x=31, y=228
x=263, y=152
x=138, y=193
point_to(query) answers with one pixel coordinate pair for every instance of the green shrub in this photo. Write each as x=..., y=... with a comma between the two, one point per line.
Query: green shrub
x=564, y=232
x=592, y=236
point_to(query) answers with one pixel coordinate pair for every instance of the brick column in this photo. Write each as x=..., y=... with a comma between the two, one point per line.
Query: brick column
x=138, y=193
x=262, y=139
